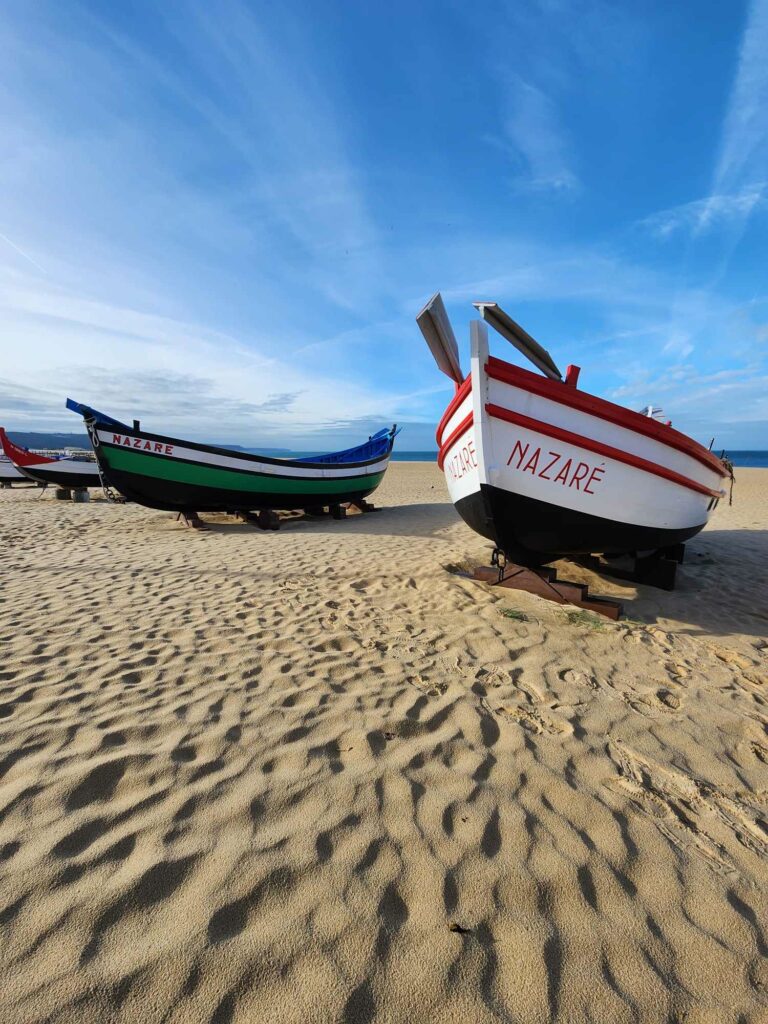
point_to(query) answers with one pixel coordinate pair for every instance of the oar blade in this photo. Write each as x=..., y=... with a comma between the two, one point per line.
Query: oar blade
x=519, y=337
x=436, y=327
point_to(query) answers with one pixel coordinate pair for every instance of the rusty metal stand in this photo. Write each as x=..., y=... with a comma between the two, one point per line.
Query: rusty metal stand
x=544, y=583
x=191, y=519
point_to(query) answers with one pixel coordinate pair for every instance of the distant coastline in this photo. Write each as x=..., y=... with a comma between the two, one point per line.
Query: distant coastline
x=740, y=458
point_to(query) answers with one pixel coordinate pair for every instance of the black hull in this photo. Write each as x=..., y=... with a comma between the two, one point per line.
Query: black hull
x=532, y=532
x=72, y=481
x=180, y=497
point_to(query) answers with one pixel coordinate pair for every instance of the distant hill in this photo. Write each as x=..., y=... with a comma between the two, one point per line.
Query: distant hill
x=41, y=439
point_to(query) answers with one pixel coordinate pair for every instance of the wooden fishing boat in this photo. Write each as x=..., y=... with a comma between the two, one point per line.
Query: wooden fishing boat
x=74, y=472
x=185, y=476
x=544, y=469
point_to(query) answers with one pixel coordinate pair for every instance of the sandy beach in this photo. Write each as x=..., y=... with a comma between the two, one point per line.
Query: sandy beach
x=315, y=776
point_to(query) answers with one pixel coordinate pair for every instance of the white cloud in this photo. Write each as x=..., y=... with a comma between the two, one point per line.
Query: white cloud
x=709, y=213
x=744, y=143
x=535, y=138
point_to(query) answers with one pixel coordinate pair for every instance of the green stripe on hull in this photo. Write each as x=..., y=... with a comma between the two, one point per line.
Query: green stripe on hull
x=163, y=468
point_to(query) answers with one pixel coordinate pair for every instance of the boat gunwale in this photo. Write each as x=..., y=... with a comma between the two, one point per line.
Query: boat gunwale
x=229, y=453
x=454, y=436
x=583, y=401
x=462, y=390
x=97, y=425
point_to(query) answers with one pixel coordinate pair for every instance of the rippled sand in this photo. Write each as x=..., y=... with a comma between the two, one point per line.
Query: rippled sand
x=313, y=776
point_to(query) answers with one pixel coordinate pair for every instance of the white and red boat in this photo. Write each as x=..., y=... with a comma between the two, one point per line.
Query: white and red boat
x=545, y=469
x=74, y=471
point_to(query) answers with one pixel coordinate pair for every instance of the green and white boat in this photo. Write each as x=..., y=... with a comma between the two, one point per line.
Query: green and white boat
x=184, y=476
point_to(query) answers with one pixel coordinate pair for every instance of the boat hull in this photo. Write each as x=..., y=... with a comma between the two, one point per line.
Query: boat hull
x=543, y=470
x=67, y=471
x=184, y=476
x=9, y=474
x=71, y=477
x=178, y=495
x=532, y=532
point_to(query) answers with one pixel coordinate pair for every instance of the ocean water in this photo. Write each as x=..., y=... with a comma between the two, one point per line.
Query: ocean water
x=397, y=456
x=751, y=460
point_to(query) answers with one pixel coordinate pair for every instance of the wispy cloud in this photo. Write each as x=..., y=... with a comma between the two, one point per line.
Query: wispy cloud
x=744, y=143
x=707, y=214
x=535, y=138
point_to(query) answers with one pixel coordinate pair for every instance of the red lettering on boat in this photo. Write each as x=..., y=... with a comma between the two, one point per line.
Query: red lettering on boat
x=117, y=439
x=168, y=449
x=532, y=463
x=576, y=476
x=549, y=465
x=137, y=442
x=158, y=447
x=473, y=454
x=593, y=478
x=569, y=475
x=522, y=453
x=126, y=441
x=563, y=474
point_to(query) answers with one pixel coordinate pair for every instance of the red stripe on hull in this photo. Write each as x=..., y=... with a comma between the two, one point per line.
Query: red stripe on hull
x=598, y=448
x=461, y=393
x=497, y=369
x=454, y=436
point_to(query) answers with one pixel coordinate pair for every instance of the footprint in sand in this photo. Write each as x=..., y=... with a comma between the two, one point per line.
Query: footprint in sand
x=535, y=721
x=431, y=689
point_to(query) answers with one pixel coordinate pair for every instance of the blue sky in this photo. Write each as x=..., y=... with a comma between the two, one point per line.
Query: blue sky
x=222, y=218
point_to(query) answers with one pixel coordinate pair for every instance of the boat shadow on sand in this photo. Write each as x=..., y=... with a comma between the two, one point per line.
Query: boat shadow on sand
x=419, y=520
x=721, y=587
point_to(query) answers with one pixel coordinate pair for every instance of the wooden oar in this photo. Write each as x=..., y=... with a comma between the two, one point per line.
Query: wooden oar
x=438, y=333
x=517, y=336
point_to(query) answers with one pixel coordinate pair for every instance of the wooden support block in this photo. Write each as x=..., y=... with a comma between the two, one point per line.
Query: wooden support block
x=656, y=572
x=655, y=569
x=268, y=519
x=361, y=505
x=544, y=583
x=191, y=519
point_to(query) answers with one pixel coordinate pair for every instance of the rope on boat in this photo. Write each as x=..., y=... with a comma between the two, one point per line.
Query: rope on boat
x=109, y=494
x=729, y=468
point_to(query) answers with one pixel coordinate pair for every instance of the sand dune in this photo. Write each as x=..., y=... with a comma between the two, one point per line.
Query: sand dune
x=313, y=776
